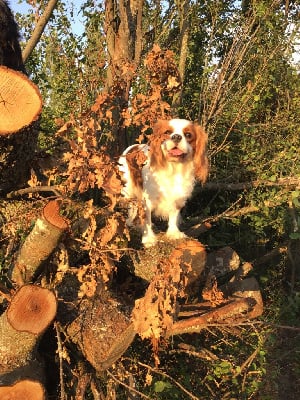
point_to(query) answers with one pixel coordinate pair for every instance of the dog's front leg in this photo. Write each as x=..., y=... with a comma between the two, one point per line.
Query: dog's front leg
x=149, y=238
x=173, y=231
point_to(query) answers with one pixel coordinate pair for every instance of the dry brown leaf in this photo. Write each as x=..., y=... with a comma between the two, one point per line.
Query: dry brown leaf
x=212, y=293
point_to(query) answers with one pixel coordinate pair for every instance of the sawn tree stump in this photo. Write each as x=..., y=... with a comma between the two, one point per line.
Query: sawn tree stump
x=30, y=312
x=20, y=107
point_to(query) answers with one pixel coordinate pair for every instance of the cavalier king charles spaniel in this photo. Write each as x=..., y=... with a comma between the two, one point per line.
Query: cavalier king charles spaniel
x=162, y=173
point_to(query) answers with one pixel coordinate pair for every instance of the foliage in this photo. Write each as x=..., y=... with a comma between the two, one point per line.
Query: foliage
x=239, y=81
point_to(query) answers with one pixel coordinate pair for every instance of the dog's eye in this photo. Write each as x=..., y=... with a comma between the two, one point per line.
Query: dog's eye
x=188, y=135
x=168, y=132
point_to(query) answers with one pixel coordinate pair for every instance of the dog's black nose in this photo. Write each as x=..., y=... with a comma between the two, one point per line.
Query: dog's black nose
x=176, y=138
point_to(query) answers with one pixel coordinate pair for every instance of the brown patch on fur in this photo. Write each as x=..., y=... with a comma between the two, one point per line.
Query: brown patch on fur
x=161, y=132
x=136, y=159
x=200, y=154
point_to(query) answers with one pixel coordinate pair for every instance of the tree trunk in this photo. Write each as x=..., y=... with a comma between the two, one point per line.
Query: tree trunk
x=188, y=270
x=102, y=330
x=183, y=9
x=124, y=45
x=39, y=244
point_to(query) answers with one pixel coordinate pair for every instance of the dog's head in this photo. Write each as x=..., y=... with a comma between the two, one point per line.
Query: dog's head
x=179, y=141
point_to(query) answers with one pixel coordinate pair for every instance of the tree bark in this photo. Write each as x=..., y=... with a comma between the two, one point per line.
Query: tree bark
x=39, y=244
x=184, y=9
x=20, y=101
x=123, y=20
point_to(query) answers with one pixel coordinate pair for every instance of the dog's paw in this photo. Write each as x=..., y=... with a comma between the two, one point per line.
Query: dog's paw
x=149, y=240
x=175, y=234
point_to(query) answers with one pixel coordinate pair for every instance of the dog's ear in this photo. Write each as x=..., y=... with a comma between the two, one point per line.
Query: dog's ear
x=160, y=133
x=200, y=155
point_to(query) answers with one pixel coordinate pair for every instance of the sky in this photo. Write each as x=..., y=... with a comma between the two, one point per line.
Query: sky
x=77, y=26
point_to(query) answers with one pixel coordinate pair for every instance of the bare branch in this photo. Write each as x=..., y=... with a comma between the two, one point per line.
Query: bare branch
x=289, y=181
x=39, y=29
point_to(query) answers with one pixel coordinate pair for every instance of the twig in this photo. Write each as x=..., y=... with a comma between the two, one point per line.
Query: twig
x=127, y=386
x=60, y=356
x=156, y=371
x=246, y=363
x=290, y=328
x=205, y=224
x=35, y=189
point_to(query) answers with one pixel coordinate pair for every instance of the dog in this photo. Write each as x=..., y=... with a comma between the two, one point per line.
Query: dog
x=163, y=173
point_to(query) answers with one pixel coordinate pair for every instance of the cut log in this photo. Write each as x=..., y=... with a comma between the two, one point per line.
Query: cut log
x=222, y=262
x=23, y=390
x=20, y=101
x=30, y=312
x=102, y=330
x=154, y=314
x=40, y=243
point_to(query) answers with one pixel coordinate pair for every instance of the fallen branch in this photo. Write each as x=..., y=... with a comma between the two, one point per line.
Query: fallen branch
x=36, y=189
x=202, y=226
x=290, y=181
x=271, y=255
x=232, y=311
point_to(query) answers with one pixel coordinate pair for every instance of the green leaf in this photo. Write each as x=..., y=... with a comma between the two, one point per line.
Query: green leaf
x=294, y=235
x=160, y=386
x=296, y=202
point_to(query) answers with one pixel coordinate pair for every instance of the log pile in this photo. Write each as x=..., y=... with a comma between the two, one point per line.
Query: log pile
x=103, y=326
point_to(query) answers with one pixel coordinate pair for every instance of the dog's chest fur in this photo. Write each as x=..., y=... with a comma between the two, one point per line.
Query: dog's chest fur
x=166, y=188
